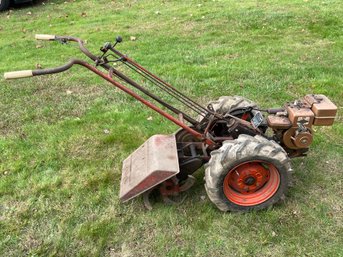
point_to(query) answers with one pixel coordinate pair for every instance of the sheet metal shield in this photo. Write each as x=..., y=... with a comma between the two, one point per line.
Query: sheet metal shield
x=152, y=163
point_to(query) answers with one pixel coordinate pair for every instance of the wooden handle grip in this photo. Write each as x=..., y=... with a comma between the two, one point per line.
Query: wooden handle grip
x=44, y=37
x=18, y=74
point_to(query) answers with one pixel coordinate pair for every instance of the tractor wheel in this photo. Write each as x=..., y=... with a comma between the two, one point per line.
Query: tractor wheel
x=248, y=173
x=225, y=104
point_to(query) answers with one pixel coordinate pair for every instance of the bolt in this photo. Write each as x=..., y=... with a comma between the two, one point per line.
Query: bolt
x=249, y=181
x=304, y=140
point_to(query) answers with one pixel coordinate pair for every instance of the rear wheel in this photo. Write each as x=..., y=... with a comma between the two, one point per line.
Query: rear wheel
x=4, y=4
x=249, y=173
x=227, y=104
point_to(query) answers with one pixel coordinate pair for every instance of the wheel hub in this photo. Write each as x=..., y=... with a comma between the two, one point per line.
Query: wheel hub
x=251, y=183
x=248, y=177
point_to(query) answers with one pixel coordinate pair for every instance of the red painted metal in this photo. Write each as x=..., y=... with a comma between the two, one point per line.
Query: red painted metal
x=250, y=170
x=127, y=59
x=147, y=103
x=264, y=183
x=169, y=188
x=245, y=116
x=152, y=163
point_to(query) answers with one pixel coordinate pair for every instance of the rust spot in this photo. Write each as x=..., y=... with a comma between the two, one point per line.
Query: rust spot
x=158, y=141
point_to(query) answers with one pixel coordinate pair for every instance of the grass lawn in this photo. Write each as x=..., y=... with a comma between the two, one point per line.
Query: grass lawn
x=60, y=171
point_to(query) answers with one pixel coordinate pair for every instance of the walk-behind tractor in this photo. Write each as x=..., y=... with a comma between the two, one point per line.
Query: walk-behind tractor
x=246, y=154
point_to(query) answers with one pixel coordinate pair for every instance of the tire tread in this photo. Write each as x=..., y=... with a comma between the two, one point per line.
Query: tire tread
x=245, y=147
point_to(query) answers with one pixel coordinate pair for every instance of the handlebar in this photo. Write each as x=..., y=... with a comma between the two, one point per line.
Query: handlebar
x=45, y=37
x=65, y=39
x=18, y=74
x=30, y=73
x=102, y=61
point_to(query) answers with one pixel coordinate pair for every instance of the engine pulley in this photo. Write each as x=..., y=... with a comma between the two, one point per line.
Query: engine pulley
x=302, y=139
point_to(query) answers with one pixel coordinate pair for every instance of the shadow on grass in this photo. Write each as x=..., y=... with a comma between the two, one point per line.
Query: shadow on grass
x=27, y=5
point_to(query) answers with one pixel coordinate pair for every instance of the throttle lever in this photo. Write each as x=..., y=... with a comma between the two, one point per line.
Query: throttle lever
x=105, y=47
x=119, y=39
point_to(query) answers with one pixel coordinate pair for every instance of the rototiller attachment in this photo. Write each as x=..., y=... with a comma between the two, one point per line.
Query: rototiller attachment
x=247, y=168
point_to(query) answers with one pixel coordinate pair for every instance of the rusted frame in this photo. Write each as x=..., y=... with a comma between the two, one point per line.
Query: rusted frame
x=126, y=90
x=128, y=80
x=202, y=136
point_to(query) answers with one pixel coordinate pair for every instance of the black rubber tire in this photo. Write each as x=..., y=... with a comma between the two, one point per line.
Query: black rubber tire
x=4, y=4
x=227, y=103
x=244, y=149
x=182, y=135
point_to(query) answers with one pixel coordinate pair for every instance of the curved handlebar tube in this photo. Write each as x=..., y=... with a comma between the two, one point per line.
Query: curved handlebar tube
x=123, y=77
x=126, y=90
x=143, y=72
x=68, y=65
x=18, y=74
x=45, y=37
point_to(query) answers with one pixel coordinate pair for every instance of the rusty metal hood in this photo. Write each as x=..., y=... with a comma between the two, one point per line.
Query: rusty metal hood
x=151, y=164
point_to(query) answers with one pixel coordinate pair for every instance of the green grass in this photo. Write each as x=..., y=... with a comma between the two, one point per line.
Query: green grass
x=60, y=173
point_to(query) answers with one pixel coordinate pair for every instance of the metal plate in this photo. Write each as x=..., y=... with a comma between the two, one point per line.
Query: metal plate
x=152, y=163
x=257, y=119
x=278, y=122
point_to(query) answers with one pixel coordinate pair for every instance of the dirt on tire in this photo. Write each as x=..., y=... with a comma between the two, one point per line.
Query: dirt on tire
x=244, y=149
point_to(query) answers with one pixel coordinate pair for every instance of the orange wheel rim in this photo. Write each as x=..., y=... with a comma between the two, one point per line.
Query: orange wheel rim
x=251, y=183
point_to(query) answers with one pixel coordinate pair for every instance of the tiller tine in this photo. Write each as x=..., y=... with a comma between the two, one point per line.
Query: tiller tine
x=146, y=199
x=169, y=190
x=187, y=184
x=152, y=163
